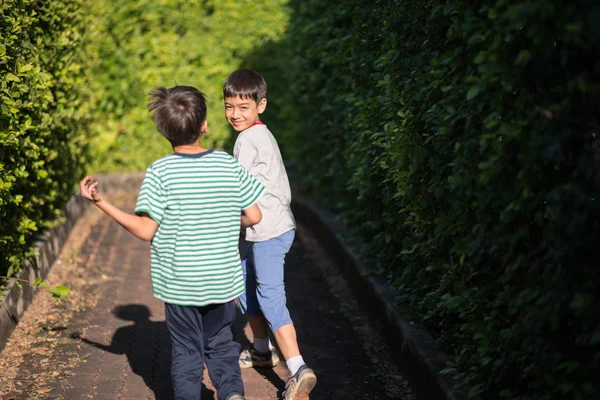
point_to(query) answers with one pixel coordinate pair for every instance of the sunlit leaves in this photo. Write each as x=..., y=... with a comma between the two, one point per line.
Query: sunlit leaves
x=58, y=292
x=42, y=126
x=145, y=44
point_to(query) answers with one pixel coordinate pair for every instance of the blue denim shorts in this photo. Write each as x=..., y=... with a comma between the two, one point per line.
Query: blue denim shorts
x=263, y=273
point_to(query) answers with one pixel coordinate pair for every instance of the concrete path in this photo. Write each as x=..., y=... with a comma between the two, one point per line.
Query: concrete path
x=109, y=340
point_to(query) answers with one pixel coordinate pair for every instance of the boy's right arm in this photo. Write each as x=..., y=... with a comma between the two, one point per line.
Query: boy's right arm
x=251, y=216
x=141, y=226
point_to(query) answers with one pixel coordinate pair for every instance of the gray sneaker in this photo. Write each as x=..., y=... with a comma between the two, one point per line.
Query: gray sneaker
x=300, y=384
x=250, y=358
x=236, y=397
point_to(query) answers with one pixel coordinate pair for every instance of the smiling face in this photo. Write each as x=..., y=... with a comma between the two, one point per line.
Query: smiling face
x=243, y=112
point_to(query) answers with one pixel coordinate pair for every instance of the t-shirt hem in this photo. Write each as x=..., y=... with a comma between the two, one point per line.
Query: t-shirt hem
x=192, y=303
x=263, y=238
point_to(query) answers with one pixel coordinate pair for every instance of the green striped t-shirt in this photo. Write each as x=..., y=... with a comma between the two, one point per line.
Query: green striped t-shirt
x=197, y=202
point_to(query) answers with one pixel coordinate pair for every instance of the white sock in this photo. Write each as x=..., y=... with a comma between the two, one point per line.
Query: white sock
x=262, y=345
x=294, y=364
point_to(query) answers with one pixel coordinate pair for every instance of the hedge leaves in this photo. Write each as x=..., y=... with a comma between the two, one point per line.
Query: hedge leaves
x=459, y=142
x=43, y=120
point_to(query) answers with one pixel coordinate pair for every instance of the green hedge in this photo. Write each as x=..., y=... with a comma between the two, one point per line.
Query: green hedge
x=141, y=44
x=42, y=118
x=459, y=143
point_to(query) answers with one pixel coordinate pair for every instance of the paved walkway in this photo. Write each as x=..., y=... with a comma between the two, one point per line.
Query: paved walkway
x=109, y=340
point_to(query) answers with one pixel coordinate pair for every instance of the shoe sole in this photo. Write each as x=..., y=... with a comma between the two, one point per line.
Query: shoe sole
x=305, y=385
x=258, y=364
x=245, y=363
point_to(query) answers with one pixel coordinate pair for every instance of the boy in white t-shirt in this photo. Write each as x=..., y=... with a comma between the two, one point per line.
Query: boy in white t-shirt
x=264, y=301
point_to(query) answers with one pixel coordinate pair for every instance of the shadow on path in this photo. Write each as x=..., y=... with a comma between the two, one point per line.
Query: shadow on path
x=144, y=343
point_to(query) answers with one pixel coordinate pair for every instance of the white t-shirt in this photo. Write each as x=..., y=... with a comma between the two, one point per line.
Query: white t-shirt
x=256, y=150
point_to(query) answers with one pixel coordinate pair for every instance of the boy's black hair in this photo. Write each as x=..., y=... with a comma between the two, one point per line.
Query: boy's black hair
x=245, y=83
x=179, y=113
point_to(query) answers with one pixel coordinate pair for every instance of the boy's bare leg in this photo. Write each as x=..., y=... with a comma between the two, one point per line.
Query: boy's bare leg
x=258, y=324
x=302, y=379
x=285, y=336
x=287, y=341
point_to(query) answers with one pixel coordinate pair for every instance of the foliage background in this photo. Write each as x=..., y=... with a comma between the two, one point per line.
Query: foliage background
x=458, y=140
x=74, y=80
x=43, y=118
x=142, y=44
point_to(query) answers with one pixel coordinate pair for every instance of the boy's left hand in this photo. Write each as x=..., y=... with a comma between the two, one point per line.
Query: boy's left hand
x=89, y=189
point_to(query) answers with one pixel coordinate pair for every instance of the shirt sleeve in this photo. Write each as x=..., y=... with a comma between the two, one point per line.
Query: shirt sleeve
x=245, y=152
x=250, y=188
x=152, y=198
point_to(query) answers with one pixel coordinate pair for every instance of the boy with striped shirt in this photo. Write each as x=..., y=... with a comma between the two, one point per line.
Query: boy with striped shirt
x=190, y=207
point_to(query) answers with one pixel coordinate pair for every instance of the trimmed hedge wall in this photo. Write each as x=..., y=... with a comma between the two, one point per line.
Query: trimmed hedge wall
x=459, y=142
x=42, y=118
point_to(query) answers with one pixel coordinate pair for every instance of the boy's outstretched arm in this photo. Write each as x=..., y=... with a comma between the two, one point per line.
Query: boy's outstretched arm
x=141, y=226
x=251, y=216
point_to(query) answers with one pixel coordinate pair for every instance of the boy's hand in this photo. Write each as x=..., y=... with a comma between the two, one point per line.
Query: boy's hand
x=89, y=189
x=141, y=226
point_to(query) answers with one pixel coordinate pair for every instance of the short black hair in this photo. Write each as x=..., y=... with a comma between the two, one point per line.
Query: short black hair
x=179, y=113
x=245, y=83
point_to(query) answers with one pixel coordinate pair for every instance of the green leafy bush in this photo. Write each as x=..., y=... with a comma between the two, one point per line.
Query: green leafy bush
x=142, y=44
x=42, y=118
x=459, y=142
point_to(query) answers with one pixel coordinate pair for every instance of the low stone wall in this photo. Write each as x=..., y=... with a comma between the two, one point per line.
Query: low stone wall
x=48, y=246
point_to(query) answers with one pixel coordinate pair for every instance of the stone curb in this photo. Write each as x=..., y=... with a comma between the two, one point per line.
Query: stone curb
x=48, y=246
x=413, y=347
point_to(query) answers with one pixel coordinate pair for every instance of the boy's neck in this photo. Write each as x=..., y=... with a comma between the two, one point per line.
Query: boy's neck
x=193, y=148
